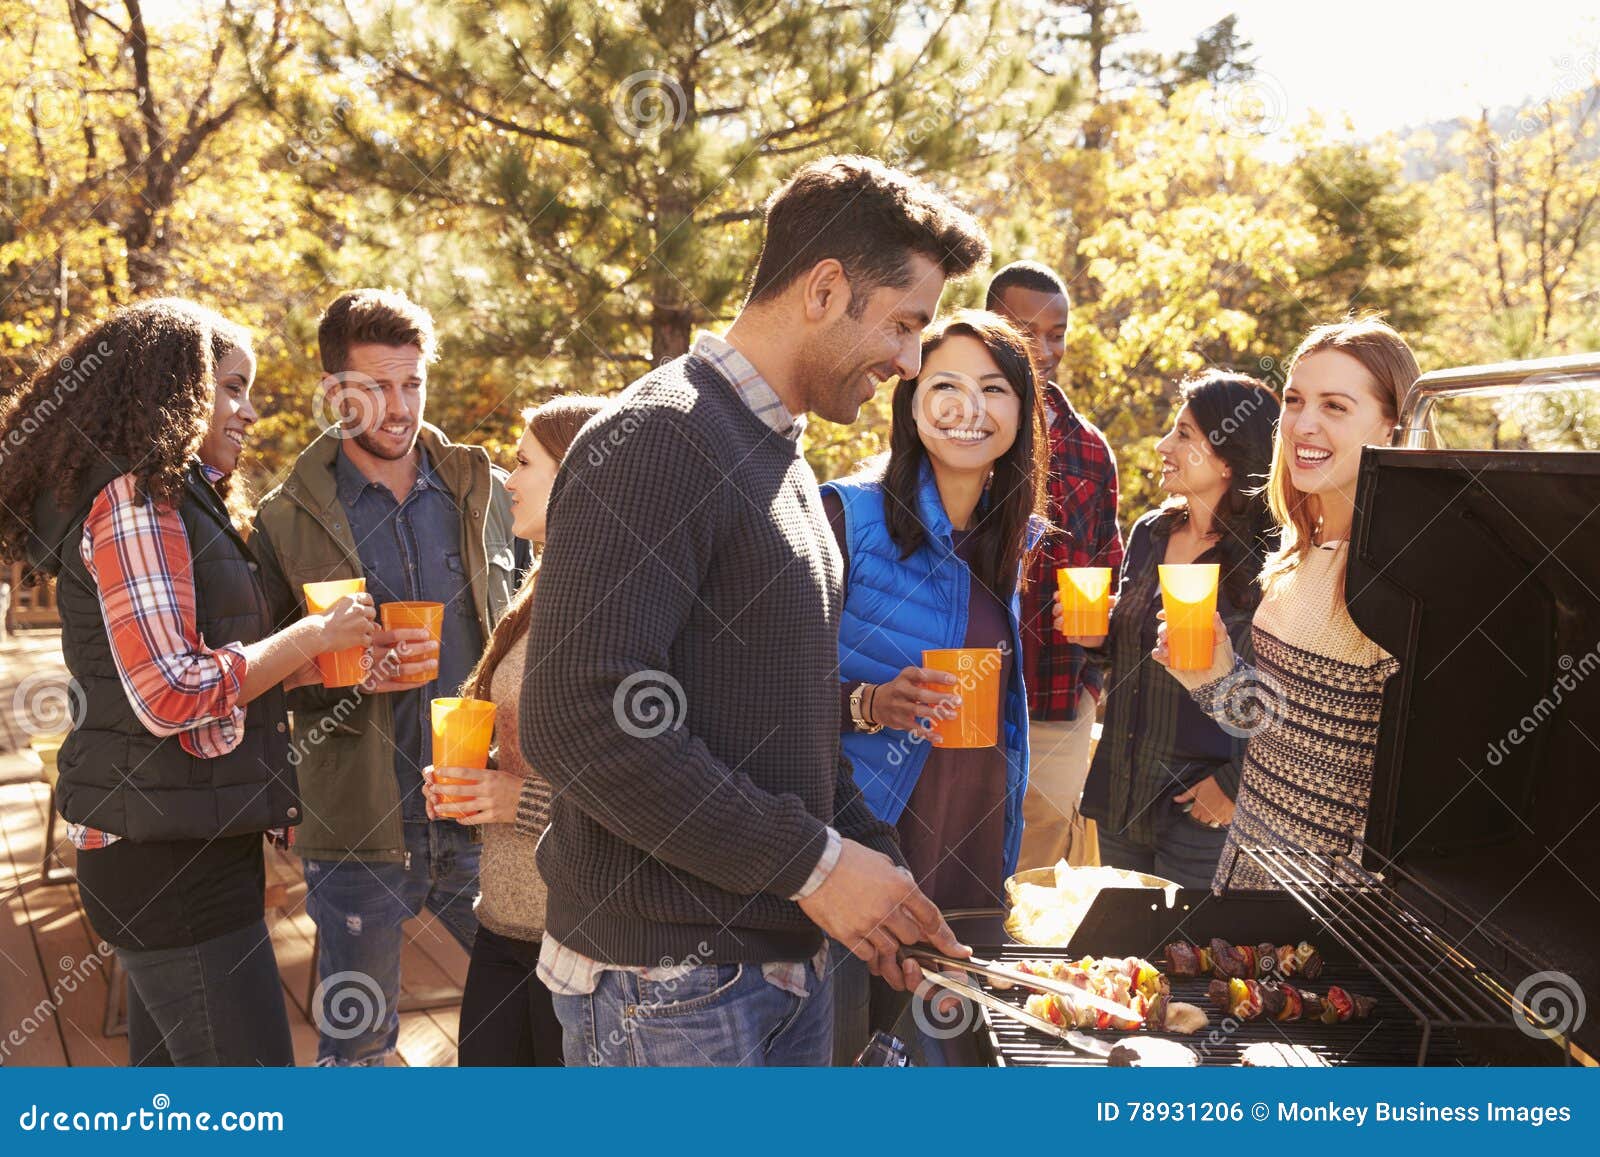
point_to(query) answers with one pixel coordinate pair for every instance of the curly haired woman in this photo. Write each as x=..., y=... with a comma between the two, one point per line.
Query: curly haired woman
x=118, y=458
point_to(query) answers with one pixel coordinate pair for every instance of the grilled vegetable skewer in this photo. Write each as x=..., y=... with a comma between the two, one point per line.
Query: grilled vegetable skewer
x=1250, y=999
x=1244, y=961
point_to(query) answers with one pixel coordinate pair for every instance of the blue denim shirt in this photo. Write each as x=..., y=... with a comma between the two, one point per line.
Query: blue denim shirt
x=411, y=551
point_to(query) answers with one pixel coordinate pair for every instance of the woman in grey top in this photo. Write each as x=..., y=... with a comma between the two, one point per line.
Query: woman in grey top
x=506, y=1014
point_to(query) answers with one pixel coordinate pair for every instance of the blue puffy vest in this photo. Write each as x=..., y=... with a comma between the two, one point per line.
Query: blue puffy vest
x=894, y=609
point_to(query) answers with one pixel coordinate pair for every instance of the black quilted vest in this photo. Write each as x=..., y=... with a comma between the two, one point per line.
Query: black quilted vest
x=118, y=777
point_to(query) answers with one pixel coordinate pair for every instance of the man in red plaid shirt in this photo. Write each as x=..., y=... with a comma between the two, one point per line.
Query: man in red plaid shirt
x=1082, y=489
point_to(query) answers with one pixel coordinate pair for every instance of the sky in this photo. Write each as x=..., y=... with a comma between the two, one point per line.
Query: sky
x=1390, y=64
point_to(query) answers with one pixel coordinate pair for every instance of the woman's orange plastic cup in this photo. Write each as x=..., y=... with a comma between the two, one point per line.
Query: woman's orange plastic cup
x=339, y=668
x=1189, y=596
x=428, y=616
x=1085, y=600
x=976, y=723
x=462, y=731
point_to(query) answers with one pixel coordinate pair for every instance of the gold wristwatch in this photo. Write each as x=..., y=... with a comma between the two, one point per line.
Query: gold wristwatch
x=859, y=715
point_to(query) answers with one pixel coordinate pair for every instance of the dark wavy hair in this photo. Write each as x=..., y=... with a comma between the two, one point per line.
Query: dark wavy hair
x=137, y=388
x=1238, y=415
x=1016, y=490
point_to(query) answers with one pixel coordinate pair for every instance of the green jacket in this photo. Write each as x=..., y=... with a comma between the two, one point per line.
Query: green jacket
x=341, y=750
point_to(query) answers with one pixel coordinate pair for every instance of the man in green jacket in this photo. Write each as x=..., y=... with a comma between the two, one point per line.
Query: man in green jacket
x=383, y=496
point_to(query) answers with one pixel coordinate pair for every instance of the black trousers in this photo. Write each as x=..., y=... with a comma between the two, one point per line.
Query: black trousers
x=507, y=1015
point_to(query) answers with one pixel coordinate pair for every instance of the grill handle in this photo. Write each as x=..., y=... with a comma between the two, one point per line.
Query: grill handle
x=1483, y=381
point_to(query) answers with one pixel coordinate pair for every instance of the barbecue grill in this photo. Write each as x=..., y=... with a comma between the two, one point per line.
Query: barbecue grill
x=1472, y=908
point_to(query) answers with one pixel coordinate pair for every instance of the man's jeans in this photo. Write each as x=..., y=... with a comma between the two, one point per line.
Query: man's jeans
x=718, y=1014
x=360, y=910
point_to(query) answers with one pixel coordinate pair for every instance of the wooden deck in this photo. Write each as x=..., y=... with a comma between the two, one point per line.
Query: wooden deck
x=53, y=984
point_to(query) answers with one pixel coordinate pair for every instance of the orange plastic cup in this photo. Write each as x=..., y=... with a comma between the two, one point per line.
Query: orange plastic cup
x=462, y=730
x=1085, y=599
x=976, y=723
x=1189, y=596
x=339, y=668
x=428, y=616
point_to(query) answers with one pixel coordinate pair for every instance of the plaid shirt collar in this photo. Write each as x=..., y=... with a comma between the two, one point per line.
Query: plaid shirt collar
x=753, y=389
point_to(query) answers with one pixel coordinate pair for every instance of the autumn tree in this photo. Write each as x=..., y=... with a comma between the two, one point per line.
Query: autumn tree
x=1513, y=224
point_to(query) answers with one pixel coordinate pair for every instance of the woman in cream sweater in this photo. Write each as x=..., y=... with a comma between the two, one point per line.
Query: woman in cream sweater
x=507, y=1017
x=1311, y=702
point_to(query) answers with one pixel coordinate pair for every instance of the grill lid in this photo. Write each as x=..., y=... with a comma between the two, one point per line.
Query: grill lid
x=1479, y=571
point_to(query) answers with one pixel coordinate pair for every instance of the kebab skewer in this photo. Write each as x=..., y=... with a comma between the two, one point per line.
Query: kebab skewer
x=1250, y=999
x=1244, y=961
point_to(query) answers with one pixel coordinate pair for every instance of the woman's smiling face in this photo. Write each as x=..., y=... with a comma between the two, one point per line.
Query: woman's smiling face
x=1330, y=411
x=966, y=411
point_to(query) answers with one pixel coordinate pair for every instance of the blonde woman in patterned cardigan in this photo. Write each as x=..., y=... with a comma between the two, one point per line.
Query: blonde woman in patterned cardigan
x=1311, y=702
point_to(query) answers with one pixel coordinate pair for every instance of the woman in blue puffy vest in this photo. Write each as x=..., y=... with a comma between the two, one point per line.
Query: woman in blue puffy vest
x=933, y=539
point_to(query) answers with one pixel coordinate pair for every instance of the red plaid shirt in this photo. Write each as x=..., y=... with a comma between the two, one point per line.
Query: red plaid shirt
x=138, y=555
x=1082, y=494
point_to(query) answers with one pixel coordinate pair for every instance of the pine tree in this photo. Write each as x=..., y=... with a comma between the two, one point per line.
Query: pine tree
x=585, y=180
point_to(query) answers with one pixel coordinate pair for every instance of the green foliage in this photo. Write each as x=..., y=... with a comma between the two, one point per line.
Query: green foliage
x=574, y=188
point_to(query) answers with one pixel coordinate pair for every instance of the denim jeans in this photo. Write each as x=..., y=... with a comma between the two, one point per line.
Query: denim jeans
x=360, y=910
x=218, y=1002
x=1185, y=852
x=721, y=1015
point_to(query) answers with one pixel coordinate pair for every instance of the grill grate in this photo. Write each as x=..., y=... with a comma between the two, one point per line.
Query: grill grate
x=1389, y=1037
x=1427, y=971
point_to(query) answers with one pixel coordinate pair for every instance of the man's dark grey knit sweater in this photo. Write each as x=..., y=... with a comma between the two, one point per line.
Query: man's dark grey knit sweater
x=681, y=692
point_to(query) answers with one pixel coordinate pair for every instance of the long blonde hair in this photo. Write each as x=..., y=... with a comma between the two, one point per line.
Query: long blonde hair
x=555, y=425
x=1387, y=357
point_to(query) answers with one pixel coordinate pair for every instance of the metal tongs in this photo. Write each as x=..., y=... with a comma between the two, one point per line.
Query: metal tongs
x=1071, y=994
